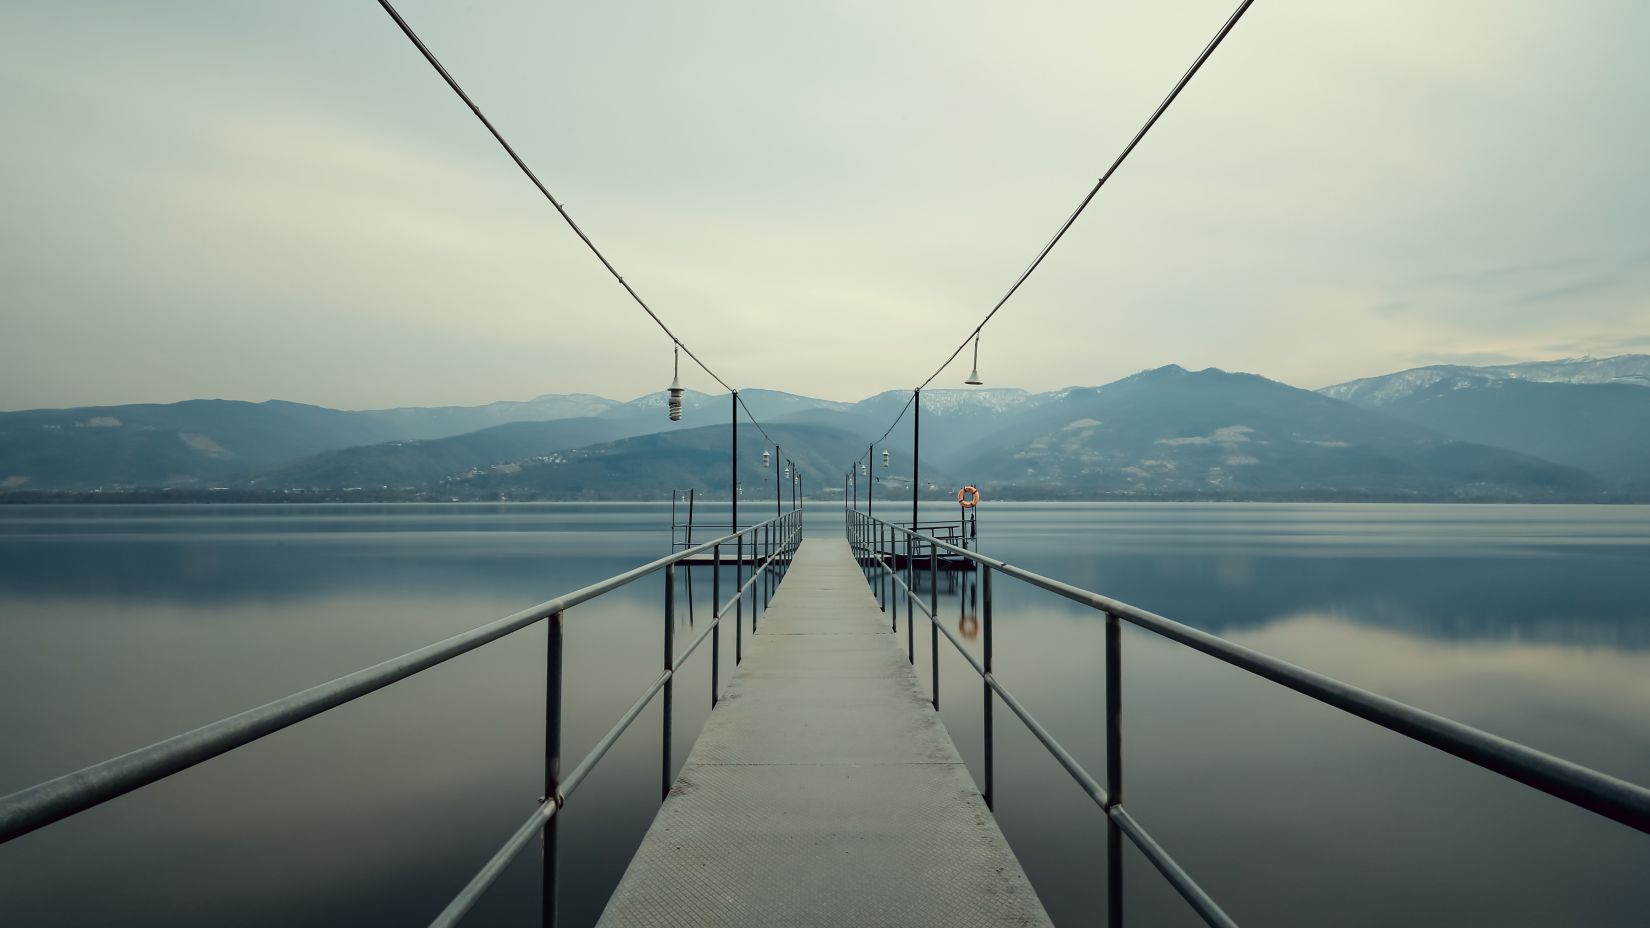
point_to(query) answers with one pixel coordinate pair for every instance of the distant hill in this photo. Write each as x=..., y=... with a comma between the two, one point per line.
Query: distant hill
x=1387, y=389
x=1176, y=432
x=421, y=464
x=1589, y=414
x=199, y=441
x=1574, y=430
x=651, y=466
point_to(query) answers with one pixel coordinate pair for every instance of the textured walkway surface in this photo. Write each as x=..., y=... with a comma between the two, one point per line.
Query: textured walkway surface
x=824, y=790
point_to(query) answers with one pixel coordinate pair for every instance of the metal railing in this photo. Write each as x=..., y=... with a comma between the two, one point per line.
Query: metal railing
x=872, y=539
x=776, y=541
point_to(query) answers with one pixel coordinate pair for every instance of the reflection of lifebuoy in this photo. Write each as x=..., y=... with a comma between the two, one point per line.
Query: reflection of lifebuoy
x=968, y=497
x=969, y=627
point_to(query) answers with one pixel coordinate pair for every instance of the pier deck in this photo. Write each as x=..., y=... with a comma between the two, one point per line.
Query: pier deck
x=824, y=790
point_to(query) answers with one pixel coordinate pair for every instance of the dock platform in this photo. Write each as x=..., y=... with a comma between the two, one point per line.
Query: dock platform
x=824, y=789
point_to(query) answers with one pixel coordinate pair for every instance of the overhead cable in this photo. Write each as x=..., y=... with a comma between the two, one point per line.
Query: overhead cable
x=1118, y=162
x=430, y=57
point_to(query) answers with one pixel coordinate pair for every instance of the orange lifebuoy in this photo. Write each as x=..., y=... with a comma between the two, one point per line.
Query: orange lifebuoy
x=968, y=497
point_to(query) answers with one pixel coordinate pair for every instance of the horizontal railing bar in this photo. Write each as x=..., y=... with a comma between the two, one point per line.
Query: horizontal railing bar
x=909, y=594
x=571, y=782
x=472, y=892
x=1089, y=784
x=1182, y=881
x=56, y=799
x=692, y=646
x=523, y=836
x=979, y=668
x=741, y=591
x=1613, y=798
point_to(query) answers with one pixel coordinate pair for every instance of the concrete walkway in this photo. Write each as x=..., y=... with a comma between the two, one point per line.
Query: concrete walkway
x=824, y=790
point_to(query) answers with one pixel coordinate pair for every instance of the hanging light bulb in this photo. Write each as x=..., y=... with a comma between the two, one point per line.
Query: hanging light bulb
x=764, y=459
x=885, y=457
x=862, y=470
x=787, y=471
x=676, y=388
x=974, y=375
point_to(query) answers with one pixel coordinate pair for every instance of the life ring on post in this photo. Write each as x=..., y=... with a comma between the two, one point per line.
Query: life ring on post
x=968, y=497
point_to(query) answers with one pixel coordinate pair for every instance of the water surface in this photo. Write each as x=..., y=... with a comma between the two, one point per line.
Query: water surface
x=122, y=625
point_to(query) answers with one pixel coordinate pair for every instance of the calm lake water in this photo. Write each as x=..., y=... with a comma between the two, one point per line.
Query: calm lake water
x=122, y=625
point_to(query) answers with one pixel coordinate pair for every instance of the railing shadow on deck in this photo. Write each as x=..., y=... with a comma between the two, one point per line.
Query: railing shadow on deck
x=773, y=543
x=875, y=543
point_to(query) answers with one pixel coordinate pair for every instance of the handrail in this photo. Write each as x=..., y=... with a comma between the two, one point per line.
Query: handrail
x=37, y=806
x=542, y=815
x=1611, y=797
x=1597, y=792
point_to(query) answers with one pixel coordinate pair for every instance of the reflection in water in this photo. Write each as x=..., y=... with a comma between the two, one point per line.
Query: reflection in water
x=122, y=625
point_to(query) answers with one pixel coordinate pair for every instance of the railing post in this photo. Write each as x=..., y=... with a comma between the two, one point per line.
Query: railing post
x=985, y=683
x=1114, y=770
x=552, y=764
x=739, y=604
x=880, y=575
x=888, y=603
x=911, y=581
x=934, y=619
x=716, y=627
x=670, y=683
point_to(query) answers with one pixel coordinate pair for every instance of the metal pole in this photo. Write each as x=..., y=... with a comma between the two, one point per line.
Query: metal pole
x=1114, y=769
x=916, y=451
x=739, y=605
x=552, y=764
x=870, y=485
x=777, y=457
x=882, y=567
x=689, y=576
x=733, y=464
x=910, y=606
x=910, y=581
x=990, y=745
x=934, y=620
x=670, y=684
x=716, y=629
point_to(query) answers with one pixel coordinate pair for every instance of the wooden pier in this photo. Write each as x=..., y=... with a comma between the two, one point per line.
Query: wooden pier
x=824, y=789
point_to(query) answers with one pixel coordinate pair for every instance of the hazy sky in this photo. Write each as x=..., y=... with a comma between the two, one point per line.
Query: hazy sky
x=283, y=200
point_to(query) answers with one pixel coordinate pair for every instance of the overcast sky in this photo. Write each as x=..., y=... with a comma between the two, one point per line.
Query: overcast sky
x=256, y=201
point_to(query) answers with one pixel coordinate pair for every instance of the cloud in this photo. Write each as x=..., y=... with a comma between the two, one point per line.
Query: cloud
x=211, y=199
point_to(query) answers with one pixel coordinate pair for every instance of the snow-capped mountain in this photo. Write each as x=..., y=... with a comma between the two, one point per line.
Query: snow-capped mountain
x=1387, y=389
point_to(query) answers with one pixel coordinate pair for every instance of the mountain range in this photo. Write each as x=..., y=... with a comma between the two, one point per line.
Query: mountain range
x=1566, y=430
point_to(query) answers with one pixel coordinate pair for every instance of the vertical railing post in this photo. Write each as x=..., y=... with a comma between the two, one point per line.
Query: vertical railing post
x=911, y=591
x=985, y=682
x=716, y=626
x=888, y=603
x=552, y=764
x=739, y=602
x=934, y=619
x=1114, y=769
x=670, y=682
x=911, y=581
x=882, y=567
